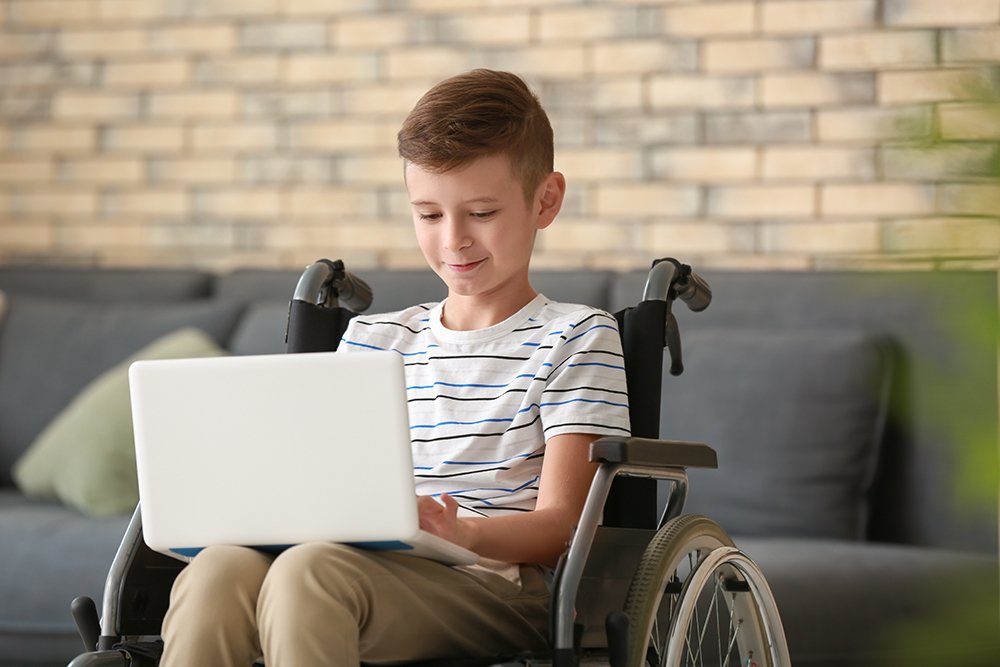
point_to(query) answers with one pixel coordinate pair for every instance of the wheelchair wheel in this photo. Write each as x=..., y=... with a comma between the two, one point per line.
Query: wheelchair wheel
x=697, y=600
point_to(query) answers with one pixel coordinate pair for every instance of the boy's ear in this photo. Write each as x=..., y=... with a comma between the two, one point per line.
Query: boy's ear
x=552, y=191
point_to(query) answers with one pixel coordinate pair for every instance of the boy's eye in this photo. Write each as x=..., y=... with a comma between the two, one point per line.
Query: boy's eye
x=428, y=216
x=483, y=215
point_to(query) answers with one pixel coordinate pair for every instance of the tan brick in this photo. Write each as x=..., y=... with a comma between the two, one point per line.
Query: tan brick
x=584, y=23
x=327, y=7
x=876, y=199
x=812, y=16
x=26, y=171
x=941, y=234
x=147, y=74
x=305, y=69
x=285, y=35
x=646, y=200
x=323, y=202
x=820, y=237
x=934, y=13
x=970, y=199
x=664, y=237
x=113, y=171
x=619, y=93
x=196, y=104
x=818, y=163
x=94, y=106
x=193, y=171
x=878, y=50
x=383, y=99
x=241, y=203
x=424, y=62
x=25, y=46
x=704, y=164
x=584, y=235
x=52, y=138
x=801, y=262
x=380, y=30
x=970, y=45
x=367, y=235
x=754, y=55
x=813, y=89
x=239, y=69
x=147, y=202
x=969, y=121
x=761, y=201
x=49, y=12
x=701, y=92
x=344, y=135
x=490, y=28
x=754, y=127
x=716, y=18
x=642, y=56
x=371, y=169
x=930, y=85
x=868, y=125
x=144, y=138
x=104, y=235
x=939, y=162
x=26, y=236
x=234, y=9
x=61, y=202
x=566, y=61
x=590, y=164
x=107, y=43
x=207, y=137
x=130, y=11
x=182, y=39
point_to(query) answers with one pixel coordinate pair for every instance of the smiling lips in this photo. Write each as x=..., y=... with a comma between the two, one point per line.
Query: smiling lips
x=461, y=268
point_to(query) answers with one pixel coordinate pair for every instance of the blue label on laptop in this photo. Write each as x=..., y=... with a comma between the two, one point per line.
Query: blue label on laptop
x=391, y=545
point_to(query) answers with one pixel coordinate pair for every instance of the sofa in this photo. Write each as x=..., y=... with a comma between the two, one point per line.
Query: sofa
x=854, y=415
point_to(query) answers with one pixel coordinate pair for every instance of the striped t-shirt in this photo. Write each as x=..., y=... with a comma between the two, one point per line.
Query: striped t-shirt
x=482, y=403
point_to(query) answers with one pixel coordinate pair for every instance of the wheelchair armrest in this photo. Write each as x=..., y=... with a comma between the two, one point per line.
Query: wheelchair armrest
x=655, y=453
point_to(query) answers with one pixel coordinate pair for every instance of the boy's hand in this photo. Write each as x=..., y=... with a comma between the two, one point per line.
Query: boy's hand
x=441, y=519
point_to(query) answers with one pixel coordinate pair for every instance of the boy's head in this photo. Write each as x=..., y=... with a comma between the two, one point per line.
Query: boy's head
x=479, y=114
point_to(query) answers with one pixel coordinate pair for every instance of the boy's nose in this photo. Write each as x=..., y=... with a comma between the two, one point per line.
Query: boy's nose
x=456, y=236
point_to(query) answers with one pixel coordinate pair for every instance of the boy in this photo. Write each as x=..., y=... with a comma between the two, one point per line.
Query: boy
x=506, y=391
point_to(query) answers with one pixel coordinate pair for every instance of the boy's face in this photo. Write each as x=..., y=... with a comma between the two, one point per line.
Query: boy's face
x=475, y=228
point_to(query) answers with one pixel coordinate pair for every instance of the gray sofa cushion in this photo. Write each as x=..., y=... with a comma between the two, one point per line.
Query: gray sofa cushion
x=106, y=284
x=49, y=555
x=81, y=340
x=795, y=417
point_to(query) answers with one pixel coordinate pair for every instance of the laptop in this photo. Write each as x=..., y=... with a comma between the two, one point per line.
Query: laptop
x=274, y=450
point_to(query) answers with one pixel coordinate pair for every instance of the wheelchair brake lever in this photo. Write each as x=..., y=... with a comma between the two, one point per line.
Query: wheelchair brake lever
x=672, y=333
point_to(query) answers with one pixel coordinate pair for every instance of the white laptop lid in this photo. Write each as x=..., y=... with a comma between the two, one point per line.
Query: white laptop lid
x=273, y=450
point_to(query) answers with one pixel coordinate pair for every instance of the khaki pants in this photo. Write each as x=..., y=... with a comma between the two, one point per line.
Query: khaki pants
x=327, y=604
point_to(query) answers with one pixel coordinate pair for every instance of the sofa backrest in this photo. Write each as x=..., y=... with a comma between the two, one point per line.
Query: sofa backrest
x=935, y=479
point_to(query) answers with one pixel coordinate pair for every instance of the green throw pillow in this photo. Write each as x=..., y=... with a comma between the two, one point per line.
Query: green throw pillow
x=86, y=456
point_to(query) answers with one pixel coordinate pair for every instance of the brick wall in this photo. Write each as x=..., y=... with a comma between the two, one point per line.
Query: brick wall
x=733, y=133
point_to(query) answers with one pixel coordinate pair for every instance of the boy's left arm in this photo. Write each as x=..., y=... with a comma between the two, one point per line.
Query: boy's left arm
x=538, y=536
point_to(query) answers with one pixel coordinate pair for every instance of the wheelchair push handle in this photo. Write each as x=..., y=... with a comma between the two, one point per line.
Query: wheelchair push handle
x=327, y=283
x=669, y=280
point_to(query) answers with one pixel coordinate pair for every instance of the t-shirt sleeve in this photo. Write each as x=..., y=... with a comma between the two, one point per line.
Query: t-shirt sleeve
x=585, y=391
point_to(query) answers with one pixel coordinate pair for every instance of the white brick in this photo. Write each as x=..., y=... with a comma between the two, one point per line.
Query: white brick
x=878, y=50
x=971, y=45
x=754, y=55
x=970, y=199
x=646, y=200
x=821, y=237
x=94, y=106
x=931, y=85
x=144, y=138
x=969, y=121
x=818, y=163
x=193, y=104
x=117, y=171
x=284, y=35
x=871, y=125
x=935, y=13
x=239, y=69
x=716, y=18
x=813, y=89
x=811, y=16
x=706, y=165
x=761, y=201
x=876, y=199
x=939, y=162
x=701, y=92
x=938, y=235
x=585, y=23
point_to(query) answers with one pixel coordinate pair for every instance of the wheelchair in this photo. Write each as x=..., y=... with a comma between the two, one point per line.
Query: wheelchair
x=632, y=589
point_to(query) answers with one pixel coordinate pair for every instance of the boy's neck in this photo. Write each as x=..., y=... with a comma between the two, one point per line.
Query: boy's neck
x=471, y=313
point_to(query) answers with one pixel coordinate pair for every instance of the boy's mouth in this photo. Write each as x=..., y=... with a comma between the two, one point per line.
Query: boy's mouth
x=461, y=268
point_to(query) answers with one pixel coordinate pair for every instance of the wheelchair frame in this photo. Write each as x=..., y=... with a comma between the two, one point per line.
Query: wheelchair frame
x=643, y=460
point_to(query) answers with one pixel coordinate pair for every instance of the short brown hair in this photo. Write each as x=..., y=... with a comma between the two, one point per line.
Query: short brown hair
x=479, y=114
